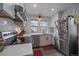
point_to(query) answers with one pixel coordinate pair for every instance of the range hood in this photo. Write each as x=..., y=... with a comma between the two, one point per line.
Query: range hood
x=20, y=14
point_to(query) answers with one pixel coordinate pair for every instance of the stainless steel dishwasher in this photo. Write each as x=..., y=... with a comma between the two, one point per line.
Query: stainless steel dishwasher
x=35, y=41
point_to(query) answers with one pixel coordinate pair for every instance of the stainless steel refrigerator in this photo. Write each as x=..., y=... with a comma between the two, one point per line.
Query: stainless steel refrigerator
x=68, y=36
x=73, y=41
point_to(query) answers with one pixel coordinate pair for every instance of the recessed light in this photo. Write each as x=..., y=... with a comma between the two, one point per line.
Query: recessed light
x=34, y=5
x=52, y=9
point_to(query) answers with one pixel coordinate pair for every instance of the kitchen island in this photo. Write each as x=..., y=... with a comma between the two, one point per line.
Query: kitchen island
x=41, y=39
x=18, y=50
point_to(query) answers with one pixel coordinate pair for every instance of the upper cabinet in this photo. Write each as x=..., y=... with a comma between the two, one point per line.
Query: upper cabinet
x=22, y=5
x=7, y=10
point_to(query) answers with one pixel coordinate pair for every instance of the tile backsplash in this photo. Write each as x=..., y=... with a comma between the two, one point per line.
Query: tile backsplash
x=6, y=24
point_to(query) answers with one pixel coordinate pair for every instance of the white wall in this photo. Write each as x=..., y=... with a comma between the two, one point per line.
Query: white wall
x=11, y=26
x=54, y=18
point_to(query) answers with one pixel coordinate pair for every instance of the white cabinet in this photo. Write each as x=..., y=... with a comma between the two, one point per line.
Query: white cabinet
x=45, y=39
x=8, y=9
x=35, y=40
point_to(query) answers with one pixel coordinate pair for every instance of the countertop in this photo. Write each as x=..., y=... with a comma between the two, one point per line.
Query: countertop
x=40, y=33
x=17, y=50
x=28, y=35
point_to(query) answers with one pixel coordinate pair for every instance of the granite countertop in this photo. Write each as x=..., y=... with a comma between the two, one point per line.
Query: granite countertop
x=40, y=33
x=17, y=50
x=26, y=35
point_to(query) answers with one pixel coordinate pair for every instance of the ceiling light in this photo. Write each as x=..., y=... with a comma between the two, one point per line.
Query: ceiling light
x=40, y=18
x=52, y=9
x=34, y=5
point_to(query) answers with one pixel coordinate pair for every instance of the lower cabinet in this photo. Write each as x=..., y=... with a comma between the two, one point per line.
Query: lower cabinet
x=45, y=39
x=35, y=40
x=41, y=40
x=28, y=39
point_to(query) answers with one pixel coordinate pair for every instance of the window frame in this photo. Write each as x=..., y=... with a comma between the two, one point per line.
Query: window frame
x=39, y=25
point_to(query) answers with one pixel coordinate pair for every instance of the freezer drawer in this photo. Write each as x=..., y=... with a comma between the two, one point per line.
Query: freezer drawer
x=62, y=46
x=56, y=42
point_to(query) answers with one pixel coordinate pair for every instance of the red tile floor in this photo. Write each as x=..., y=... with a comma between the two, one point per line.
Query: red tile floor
x=46, y=51
x=38, y=52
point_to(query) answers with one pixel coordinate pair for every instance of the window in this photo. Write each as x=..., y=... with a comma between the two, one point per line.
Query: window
x=34, y=29
x=37, y=26
x=34, y=26
x=34, y=23
x=44, y=23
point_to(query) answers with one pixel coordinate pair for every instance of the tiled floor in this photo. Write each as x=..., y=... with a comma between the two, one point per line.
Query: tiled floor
x=52, y=52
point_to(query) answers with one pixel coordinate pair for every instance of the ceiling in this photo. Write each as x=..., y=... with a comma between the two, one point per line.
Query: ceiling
x=44, y=9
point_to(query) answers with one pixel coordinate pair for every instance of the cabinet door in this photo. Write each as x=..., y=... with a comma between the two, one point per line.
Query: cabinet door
x=9, y=8
x=48, y=39
x=28, y=39
x=36, y=40
x=45, y=40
